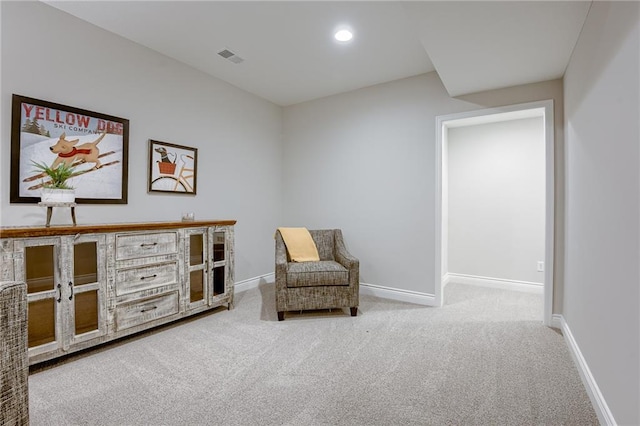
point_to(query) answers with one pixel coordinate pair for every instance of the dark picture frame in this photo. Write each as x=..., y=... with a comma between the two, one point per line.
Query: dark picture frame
x=172, y=168
x=50, y=133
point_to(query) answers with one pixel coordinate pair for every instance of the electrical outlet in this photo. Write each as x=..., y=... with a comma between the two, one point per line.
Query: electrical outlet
x=540, y=266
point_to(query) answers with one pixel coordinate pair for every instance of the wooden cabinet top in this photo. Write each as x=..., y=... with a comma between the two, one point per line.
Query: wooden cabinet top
x=41, y=231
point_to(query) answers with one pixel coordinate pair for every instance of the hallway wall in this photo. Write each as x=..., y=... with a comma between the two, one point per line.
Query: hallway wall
x=496, y=194
x=602, y=284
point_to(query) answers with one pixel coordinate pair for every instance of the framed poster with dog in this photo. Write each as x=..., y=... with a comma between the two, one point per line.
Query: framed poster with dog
x=95, y=144
x=172, y=168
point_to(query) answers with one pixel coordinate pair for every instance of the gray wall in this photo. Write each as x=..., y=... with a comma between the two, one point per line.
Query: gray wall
x=365, y=156
x=50, y=55
x=364, y=161
x=496, y=194
x=601, y=302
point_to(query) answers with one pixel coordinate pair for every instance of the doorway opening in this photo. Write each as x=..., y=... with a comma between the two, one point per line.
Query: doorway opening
x=541, y=109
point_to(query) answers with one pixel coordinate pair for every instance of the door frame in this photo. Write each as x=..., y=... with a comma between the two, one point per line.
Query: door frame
x=546, y=108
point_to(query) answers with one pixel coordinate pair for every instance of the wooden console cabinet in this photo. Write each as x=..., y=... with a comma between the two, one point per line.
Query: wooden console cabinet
x=90, y=284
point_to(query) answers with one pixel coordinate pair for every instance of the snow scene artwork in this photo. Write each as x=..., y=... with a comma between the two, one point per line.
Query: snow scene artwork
x=47, y=133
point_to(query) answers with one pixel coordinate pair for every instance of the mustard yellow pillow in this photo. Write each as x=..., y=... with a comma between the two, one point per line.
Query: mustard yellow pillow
x=300, y=244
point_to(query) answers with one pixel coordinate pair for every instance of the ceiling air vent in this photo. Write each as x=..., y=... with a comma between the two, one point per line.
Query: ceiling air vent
x=229, y=55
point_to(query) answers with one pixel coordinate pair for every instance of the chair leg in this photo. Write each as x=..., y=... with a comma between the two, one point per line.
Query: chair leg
x=354, y=311
x=280, y=315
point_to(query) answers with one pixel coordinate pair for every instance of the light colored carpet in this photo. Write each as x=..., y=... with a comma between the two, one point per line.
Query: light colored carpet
x=483, y=359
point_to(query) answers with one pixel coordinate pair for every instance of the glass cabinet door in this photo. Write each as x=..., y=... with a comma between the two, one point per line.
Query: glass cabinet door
x=196, y=267
x=44, y=293
x=219, y=263
x=66, y=284
x=86, y=288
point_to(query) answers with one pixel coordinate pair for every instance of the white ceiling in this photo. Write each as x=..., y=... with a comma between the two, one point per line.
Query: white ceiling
x=290, y=56
x=498, y=117
x=477, y=46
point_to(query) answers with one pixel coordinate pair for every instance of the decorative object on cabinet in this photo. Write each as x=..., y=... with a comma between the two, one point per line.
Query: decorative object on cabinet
x=57, y=175
x=332, y=282
x=57, y=192
x=96, y=144
x=172, y=168
x=90, y=284
x=56, y=188
x=14, y=365
x=51, y=204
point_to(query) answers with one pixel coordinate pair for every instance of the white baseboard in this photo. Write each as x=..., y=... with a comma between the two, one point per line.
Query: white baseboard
x=250, y=283
x=370, y=289
x=597, y=400
x=398, y=294
x=446, y=279
x=556, y=321
x=525, y=286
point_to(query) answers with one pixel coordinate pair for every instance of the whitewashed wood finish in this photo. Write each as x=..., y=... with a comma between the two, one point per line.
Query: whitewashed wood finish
x=111, y=281
x=98, y=286
x=64, y=309
x=230, y=259
x=20, y=247
x=146, y=277
x=143, y=311
x=146, y=268
x=6, y=260
x=137, y=262
x=188, y=268
x=121, y=302
x=140, y=245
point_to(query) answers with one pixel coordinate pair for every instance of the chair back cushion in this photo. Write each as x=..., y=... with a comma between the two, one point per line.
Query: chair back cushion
x=325, y=243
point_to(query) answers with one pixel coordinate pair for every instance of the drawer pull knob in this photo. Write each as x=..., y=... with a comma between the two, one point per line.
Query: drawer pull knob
x=59, y=299
x=71, y=288
x=148, y=245
x=148, y=309
x=149, y=277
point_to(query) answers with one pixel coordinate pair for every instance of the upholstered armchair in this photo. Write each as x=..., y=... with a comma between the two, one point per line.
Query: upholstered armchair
x=14, y=361
x=332, y=282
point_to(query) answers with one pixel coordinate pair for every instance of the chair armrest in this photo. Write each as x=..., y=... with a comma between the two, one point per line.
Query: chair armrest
x=347, y=260
x=342, y=256
x=350, y=262
x=281, y=251
x=281, y=261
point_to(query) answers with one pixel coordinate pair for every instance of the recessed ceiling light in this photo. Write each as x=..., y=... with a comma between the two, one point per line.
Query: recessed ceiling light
x=343, y=35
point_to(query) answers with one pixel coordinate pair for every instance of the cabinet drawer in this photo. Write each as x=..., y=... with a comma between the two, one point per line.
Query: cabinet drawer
x=136, y=313
x=145, y=277
x=144, y=245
